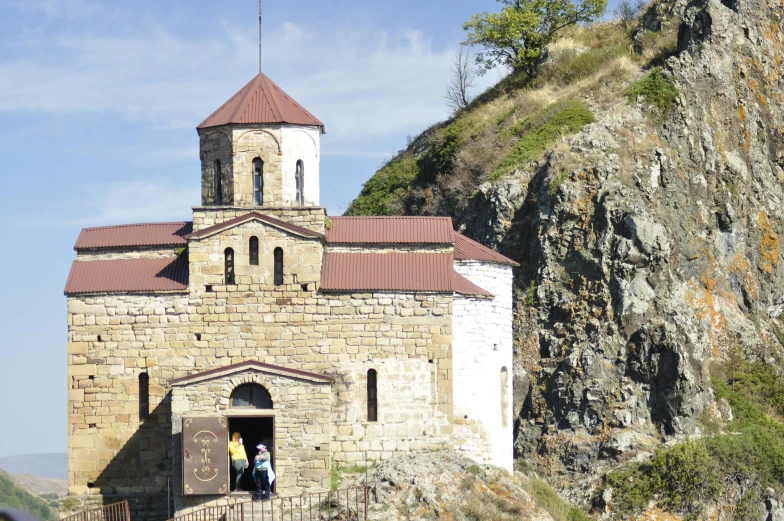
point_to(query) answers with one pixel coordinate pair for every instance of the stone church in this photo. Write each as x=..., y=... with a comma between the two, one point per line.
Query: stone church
x=334, y=340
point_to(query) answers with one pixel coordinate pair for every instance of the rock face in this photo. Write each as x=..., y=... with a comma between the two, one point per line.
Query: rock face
x=446, y=485
x=657, y=255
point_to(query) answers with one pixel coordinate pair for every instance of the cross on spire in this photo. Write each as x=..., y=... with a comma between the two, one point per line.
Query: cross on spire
x=259, y=36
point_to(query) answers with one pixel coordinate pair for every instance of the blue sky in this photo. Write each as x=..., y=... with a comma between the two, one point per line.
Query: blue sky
x=99, y=101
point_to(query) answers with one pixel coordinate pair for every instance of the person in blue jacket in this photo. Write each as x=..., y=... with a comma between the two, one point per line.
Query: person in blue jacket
x=263, y=474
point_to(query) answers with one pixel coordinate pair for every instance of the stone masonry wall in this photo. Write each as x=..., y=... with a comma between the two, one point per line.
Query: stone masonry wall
x=176, y=335
x=310, y=218
x=301, y=411
x=127, y=253
x=301, y=257
x=482, y=349
x=278, y=146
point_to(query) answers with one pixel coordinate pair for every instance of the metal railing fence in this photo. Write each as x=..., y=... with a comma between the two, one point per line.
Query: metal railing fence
x=350, y=504
x=114, y=512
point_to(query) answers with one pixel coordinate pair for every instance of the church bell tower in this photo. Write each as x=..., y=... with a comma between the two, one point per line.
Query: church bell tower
x=260, y=150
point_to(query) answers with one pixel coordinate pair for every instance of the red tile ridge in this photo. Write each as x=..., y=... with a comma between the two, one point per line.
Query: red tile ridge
x=293, y=228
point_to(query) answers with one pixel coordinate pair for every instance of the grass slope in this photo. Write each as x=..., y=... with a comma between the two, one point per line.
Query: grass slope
x=517, y=121
x=13, y=496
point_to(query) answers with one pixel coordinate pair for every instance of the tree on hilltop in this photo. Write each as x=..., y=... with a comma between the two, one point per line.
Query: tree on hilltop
x=517, y=35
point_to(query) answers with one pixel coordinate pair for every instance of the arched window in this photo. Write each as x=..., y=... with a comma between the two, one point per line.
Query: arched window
x=218, y=183
x=504, y=396
x=299, y=178
x=144, y=397
x=258, y=182
x=278, y=266
x=253, y=249
x=251, y=395
x=228, y=266
x=372, y=396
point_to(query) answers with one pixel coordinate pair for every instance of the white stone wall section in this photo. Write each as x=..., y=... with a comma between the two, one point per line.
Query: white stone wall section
x=482, y=365
x=300, y=144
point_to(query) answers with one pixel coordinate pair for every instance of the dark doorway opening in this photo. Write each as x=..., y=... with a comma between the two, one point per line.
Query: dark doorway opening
x=254, y=430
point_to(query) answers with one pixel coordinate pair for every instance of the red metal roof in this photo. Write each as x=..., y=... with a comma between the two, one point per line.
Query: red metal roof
x=387, y=271
x=258, y=102
x=462, y=285
x=467, y=249
x=127, y=235
x=127, y=276
x=394, y=272
x=391, y=230
x=254, y=216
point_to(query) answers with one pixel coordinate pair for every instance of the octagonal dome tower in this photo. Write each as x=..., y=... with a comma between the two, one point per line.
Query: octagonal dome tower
x=260, y=149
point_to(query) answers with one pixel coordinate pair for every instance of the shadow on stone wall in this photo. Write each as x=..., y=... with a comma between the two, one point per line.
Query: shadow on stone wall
x=140, y=472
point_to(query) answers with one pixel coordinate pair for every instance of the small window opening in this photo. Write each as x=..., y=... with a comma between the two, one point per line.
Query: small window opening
x=258, y=182
x=318, y=448
x=91, y=377
x=372, y=396
x=228, y=266
x=278, y=266
x=218, y=183
x=144, y=397
x=430, y=361
x=208, y=288
x=99, y=338
x=253, y=247
x=304, y=287
x=92, y=425
x=300, y=181
x=198, y=337
x=251, y=395
x=90, y=485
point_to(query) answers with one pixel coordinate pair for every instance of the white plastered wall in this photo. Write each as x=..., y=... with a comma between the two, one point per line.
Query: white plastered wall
x=481, y=347
x=300, y=143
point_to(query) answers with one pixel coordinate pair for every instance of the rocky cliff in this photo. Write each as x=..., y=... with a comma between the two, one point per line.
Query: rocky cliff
x=639, y=181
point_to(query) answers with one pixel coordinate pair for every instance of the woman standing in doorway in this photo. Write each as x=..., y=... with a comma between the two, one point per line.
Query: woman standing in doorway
x=239, y=460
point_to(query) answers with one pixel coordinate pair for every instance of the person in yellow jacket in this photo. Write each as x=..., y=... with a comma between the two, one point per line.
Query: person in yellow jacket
x=239, y=460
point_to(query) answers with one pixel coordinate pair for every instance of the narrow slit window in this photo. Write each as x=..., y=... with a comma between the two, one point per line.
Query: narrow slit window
x=218, y=183
x=144, y=397
x=253, y=248
x=228, y=259
x=300, y=180
x=278, y=266
x=372, y=396
x=258, y=182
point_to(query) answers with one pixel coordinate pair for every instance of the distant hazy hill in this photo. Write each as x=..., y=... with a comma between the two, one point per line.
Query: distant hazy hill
x=52, y=466
x=15, y=496
x=42, y=486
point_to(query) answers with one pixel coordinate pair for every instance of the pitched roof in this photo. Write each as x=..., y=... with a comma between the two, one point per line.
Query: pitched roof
x=467, y=249
x=255, y=216
x=249, y=364
x=128, y=235
x=260, y=101
x=128, y=276
x=462, y=285
x=390, y=230
x=342, y=271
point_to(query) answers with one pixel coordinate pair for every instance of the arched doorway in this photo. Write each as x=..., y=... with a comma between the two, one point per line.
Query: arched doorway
x=252, y=417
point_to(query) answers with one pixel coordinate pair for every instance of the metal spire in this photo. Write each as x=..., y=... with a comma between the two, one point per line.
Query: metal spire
x=259, y=36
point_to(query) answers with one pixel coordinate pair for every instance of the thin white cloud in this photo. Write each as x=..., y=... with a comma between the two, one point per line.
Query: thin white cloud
x=125, y=203
x=367, y=85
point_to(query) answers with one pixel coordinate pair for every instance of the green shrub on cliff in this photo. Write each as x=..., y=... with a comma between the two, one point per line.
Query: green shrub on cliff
x=542, y=129
x=750, y=456
x=654, y=89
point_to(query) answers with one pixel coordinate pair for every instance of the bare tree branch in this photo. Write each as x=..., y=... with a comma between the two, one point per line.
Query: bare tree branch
x=463, y=77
